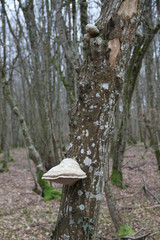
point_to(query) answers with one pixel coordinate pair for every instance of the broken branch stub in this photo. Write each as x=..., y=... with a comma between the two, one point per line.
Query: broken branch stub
x=128, y=9
x=67, y=172
x=115, y=46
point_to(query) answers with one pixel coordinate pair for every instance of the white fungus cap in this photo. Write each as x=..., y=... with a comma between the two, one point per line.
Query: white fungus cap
x=92, y=30
x=67, y=172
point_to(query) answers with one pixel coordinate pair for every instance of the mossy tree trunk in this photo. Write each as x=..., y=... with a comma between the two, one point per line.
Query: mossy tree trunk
x=140, y=46
x=100, y=83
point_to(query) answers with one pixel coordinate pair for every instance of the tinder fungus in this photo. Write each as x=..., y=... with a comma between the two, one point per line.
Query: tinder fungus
x=67, y=172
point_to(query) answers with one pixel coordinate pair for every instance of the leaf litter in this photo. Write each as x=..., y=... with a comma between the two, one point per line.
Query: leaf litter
x=25, y=216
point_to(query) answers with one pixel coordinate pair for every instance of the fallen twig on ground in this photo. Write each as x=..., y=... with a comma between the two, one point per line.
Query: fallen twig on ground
x=142, y=237
x=147, y=190
x=144, y=187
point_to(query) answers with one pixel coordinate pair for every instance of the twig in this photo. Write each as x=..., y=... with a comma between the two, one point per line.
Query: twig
x=155, y=206
x=142, y=237
x=146, y=189
x=139, y=231
x=139, y=189
x=152, y=234
x=135, y=166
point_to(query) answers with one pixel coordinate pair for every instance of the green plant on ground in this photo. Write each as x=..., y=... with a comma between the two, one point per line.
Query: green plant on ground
x=25, y=211
x=125, y=230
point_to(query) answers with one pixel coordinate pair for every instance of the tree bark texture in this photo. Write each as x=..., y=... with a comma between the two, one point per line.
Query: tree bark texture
x=100, y=82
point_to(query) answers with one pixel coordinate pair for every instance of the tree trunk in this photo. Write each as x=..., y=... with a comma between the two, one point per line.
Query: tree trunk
x=139, y=116
x=46, y=190
x=4, y=107
x=100, y=82
x=47, y=148
x=152, y=125
x=70, y=83
x=83, y=15
x=5, y=139
x=140, y=47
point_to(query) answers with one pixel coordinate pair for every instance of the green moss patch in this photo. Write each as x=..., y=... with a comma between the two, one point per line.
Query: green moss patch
x=125, y=230
x=49, y=192
x=11, y=158
x=4, y=167
x=117, y=178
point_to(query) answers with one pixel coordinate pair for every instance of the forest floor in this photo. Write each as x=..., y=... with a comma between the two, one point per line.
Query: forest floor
x=25, y=216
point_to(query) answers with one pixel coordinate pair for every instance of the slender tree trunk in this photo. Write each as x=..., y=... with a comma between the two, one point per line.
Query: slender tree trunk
x=112, y=206
x=152, y=125
x=83, y=16
x=34, y=155
x=14, y=126
x=1, y=133
x=100, y=82
x=46, y=189
x=139, y=116
x=139, y=49
x=4, y=105
x=71, y=58
x=5, y=139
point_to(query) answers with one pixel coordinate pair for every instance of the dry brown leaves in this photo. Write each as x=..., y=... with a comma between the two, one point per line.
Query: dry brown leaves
x=25, y=216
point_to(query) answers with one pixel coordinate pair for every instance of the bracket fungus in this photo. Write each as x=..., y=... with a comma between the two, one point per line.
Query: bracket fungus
x=67, y=172
x=92, y=30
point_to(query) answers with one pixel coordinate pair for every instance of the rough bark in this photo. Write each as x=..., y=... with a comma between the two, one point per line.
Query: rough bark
x=100, y=82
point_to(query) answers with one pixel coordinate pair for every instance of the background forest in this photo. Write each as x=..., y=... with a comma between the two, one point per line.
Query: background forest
x=42, y=47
